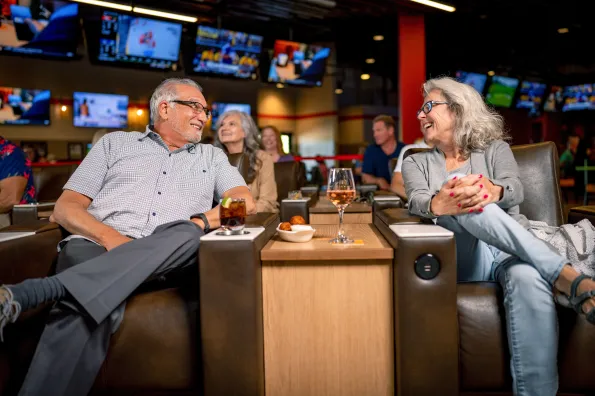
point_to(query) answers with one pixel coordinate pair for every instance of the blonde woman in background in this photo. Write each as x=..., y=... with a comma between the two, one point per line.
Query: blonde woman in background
x=273, y=146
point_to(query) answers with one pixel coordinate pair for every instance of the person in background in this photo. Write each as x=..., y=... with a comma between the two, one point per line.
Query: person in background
x=376, y=167
x=16, y=179
x=237, y=133
x=567, y=157
x=397, y=185
x=271, y=141
x=470, y=184
x=136, y=209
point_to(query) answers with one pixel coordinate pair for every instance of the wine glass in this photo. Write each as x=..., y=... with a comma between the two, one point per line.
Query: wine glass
x=341, y=191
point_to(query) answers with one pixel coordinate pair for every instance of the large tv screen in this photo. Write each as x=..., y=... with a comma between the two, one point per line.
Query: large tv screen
x=531, y=95
x=132, y=40
x=48, y=28
x=227, y=53
x=298, y=64
x=501, y=91
x=24, y=106
x=476, y=80
x=218, y=108
x=578, y=97
x=97, y=110
x=554, y=99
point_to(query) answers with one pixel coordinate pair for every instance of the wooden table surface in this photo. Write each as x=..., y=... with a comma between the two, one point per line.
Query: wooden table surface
x=374, y=246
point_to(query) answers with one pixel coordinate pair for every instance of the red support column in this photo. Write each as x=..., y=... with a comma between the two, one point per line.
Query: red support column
x=412, y=73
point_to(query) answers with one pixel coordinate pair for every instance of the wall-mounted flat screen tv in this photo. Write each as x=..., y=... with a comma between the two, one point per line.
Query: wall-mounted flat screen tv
x=501, y=91
x=20, y=106
x=554, y=99
x=219, y=108
x=98, y=110
x=476, y=80
x=133, y=40
x=46, y=28
x=578, y=97
x=298, y=64
x=531, y=95
x=226, y=53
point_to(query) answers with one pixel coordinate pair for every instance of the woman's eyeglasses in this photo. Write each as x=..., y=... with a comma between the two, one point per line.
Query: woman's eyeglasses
x=427, y=107
x=197, y=107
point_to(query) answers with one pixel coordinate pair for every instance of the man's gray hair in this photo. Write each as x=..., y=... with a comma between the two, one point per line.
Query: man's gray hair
x=476, y=125
x=166, y=92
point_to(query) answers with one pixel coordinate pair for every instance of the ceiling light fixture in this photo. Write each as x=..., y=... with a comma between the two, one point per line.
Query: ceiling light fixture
x=563, y=30
x=378, y=37
x=139, y=112
x=491, y=73
x=162, y=14
x=369, y=61
x=106, y=4
x=435, y=4
x=63, y=108
x=365, y=76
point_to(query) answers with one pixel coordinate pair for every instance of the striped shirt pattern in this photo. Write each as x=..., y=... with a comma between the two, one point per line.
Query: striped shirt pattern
x=137, y=184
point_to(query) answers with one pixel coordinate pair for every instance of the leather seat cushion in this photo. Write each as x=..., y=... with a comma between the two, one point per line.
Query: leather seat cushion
x=484, y=357
x=155, y=346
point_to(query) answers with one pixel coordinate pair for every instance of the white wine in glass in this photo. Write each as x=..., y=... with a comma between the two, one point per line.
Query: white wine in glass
x=341, y=191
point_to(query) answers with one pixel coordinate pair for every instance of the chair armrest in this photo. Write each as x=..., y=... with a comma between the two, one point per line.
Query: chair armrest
x=398, y=216
x=386, y=202
x=425, y=311
x=29, y=256
x=25, y=214
x=298, y=207
x=582, y=212
x=231, y=317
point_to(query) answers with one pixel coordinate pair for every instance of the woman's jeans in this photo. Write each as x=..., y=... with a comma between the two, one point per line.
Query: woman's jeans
x=493, y=246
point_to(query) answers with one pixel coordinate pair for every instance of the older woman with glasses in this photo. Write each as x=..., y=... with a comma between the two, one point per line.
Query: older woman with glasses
x=469, y=183
x=237, y=133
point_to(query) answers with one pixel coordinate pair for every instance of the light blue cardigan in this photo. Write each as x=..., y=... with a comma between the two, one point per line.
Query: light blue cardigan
x=425, y=173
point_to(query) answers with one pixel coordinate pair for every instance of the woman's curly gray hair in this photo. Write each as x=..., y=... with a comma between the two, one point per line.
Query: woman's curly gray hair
x=476, y=125
x=251, y=141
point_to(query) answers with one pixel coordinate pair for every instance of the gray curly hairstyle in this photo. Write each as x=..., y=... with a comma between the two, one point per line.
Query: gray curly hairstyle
x=476, y=125
x=251, y=141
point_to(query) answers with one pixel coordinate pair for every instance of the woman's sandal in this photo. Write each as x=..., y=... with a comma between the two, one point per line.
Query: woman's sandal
x=577, y=301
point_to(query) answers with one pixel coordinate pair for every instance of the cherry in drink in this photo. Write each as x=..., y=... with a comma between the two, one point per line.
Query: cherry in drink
x=232, y=214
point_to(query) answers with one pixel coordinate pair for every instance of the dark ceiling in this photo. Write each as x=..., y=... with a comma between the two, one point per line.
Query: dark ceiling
x=514, y=37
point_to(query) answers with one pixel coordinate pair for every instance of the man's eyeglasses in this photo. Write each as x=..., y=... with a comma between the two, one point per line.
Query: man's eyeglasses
x=427, y=107
x=196, y=106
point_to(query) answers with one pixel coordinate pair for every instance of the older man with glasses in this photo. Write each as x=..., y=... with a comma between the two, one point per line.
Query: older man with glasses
x=136, y=209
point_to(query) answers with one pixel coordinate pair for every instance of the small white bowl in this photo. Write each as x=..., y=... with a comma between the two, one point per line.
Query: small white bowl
x=299, y=233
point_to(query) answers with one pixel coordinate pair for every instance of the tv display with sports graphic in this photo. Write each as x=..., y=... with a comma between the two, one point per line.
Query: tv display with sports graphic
x=48, y=28
x=20, y=106
x=226, y=53
x=126, y=39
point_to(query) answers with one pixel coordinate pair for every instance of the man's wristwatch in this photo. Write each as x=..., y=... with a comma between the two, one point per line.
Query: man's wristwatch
x=204, y=220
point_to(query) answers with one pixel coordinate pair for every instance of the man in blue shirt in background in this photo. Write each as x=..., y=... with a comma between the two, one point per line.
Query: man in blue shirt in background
x=376, y=168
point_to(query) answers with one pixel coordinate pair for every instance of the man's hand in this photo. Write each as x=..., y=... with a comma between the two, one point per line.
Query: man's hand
x=199, y=223
x=115, y=241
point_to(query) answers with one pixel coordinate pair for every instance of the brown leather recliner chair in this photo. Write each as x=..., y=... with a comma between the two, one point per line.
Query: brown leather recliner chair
x=240, y=161
x=450, y=338
x=161, y=346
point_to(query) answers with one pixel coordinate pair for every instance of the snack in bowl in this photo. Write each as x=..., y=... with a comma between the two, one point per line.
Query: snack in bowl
x=295, y=220
x=285, y=226
x=298, y=233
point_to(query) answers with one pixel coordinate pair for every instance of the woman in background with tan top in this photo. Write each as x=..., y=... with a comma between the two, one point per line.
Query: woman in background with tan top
x=237, y=133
